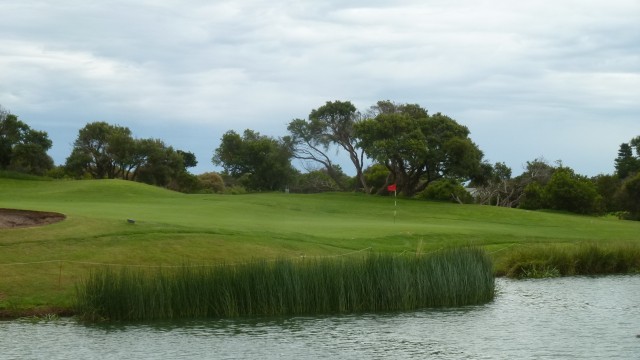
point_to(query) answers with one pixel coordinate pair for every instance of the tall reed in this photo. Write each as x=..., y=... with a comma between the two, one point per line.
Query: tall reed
x=566, y=260
x=369, y=283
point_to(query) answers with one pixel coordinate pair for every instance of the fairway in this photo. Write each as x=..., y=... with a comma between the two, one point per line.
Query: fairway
x=40, y=265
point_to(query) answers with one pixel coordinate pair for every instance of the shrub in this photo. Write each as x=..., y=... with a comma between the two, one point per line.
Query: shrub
x=533, y=198
x=211, y=182
x=446, y=190
x=376, y=176
x=571, y=192
x=315, y=182
x=585, y=259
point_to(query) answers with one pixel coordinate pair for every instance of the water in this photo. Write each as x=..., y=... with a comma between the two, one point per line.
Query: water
x=568, y=318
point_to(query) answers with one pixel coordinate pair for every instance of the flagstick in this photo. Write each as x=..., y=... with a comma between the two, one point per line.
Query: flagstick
x=395, y=204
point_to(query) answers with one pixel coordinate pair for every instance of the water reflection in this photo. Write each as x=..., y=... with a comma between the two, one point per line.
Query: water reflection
x=534, y=319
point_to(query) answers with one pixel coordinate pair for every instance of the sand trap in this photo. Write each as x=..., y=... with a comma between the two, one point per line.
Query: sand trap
x=11, y=218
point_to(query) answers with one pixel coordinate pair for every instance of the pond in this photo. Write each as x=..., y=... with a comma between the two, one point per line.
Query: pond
x=566, y=318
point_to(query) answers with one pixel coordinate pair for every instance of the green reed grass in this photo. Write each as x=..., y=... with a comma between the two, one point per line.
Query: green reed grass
x=376, y=282
x=567, y=260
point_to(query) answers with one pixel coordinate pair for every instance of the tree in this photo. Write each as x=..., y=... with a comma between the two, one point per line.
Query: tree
x=102, y=150
x=23, y=149
x=530, y=185
x=533, y=197
x=109, y=151
x=161, y=163
x=569, y=191
x=539, y=171
x=609, y=188
x=378, y=177
x=31, y=158
x=188, y=158
x=631, y=196
x=496, y=187
x=626, y=163
x=332, y=123
x=309, y=144
x=416, y=148
x=261, y=161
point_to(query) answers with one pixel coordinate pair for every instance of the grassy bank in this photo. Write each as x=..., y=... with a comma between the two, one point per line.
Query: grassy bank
x=40, y=266
x=377, y=282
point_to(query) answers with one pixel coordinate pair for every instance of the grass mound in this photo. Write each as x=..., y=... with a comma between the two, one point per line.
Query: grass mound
x=377, y=282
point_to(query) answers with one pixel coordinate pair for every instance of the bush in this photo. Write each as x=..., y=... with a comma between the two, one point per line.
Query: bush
x=211, y=182
x=184, y=182
x=6, y=174
x=314, y=182
x=631, y=196
x=533, y=198
x=570, y=192
x=376, y=176
x=584, y=259
x=446, y=190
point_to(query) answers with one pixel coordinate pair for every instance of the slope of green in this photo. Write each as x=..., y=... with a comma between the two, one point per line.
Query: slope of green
x=40, y=265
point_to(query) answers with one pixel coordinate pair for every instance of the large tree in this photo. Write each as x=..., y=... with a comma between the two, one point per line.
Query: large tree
x=417, y=148
x=261, y=162
x=307, y=143
x=330, y=124
x=21, y=148
x=627, y=163
x=101, y=150
x=160, y=164
x=109, y=151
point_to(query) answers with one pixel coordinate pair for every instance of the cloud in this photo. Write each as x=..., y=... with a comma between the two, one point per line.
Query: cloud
x=191, y=70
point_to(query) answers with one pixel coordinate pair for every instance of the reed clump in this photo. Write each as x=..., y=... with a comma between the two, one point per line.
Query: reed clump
x=375, y=282
x=568, y=260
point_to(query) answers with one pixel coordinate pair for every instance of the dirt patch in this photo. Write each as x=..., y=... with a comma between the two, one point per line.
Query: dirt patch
x=11, y=218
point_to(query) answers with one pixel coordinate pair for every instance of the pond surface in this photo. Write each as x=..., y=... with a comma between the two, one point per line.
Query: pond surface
x=567, y=318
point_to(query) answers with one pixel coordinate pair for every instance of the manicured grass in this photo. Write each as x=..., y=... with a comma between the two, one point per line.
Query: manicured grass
x=40, y=266
x=453, y=277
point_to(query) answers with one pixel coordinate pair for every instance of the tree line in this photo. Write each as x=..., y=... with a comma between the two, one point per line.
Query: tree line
x=426, y=156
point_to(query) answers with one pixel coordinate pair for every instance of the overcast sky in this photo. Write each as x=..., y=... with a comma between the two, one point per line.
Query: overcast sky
x=553, y=79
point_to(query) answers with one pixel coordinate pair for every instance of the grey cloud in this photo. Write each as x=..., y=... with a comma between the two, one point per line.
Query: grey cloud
x=546, y=69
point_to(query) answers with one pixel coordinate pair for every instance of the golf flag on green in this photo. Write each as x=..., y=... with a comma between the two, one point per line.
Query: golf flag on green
x=391, y=188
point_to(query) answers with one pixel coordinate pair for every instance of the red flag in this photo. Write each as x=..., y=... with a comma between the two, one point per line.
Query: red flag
x=391, y=187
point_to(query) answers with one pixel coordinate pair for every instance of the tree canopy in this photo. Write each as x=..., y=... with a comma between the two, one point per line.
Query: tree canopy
x=258, y=161
x=102, y=150
x=330, y=124
x=627, y=163
x=426, y=156
x=22, y=148
x=416, y=148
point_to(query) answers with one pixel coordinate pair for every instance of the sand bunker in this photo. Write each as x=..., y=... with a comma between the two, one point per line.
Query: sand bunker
x=10, y=218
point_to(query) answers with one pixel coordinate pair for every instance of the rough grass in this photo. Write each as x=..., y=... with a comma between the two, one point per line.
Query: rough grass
x=377, y=282
x=567, y=260
x=40, y=266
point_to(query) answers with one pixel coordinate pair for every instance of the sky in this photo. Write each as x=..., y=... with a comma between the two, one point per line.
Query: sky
x=558, y=80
